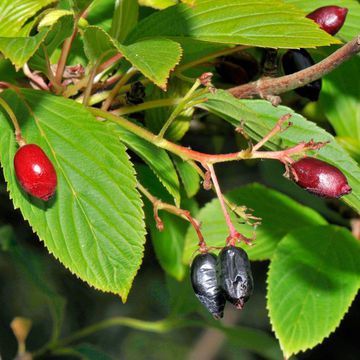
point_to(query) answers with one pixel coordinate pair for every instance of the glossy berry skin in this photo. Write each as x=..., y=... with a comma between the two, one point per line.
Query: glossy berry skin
x=329, y=18
x=320, y=178
x=235, y=275
x=35, y=172
x=237, y=69
x=205, y=284
x=296, y=60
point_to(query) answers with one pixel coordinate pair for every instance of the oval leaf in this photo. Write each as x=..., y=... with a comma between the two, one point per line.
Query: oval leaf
x=313, y=278
x=16, y=16
x=94, y=225
x=155, y=58
x=263, y=23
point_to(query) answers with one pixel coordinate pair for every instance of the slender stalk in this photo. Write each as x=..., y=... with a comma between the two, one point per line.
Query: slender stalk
x=20, y=140
x=185, y=214
x=146, y=105
x=274, y=86
x=203, y=158
x=158, y=327
x=233, y=232
x=113, y=93
x=36, y=79
x=272, y=132
x=65, y=53
x=179, y=108
x=89, y=85
x=49, y=73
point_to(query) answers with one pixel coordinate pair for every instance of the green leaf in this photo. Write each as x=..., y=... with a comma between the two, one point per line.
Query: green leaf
x=80, y=5
x=260, y=117
x=94, y=225
x=35, y=269
x=264, y=23
x=351, y=27
x=155, y=58
x=351, y=145
x=339, y=99
x=272, y=206
x=58, y=32
x=100, y=13
x=16, y=16
x=158, y=4
x=157, y=159
x=189, y=176
x=156, y=118
x=313, y=278
x=124, y=19
x=20, y=49
x=53, y=17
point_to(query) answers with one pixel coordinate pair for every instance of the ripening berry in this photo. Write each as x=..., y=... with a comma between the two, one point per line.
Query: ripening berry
x=35, y=172
x=296, y=60
x=235, y=275
x=320, y=178
x=329, y=18
x=205, y=284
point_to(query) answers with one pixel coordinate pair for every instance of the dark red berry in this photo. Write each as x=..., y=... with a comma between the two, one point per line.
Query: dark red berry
x=329, y=18
x=35, y=172
x=296, y=60
x=205, y=284
x=235, y=275
x=237, y=69
x=320, y=178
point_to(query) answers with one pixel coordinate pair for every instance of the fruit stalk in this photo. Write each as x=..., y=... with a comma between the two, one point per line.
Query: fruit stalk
x=19, y=139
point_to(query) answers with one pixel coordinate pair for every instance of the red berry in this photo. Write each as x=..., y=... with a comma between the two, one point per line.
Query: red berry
x=329, y=18
x=320, y=178
x=35, y=172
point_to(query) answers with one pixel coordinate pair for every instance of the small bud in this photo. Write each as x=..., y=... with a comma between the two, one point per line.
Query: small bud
x=320, y=178
x=329, y=18
x=296, y=60
x=235, y=275
x=205, y=284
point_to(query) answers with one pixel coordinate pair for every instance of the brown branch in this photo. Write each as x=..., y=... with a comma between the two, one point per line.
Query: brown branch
x=273, y=86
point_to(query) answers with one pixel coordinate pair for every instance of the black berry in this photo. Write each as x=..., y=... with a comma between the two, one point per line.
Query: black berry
x=296, y=60
x=320, y=178
x=329, y=18
x=205, y=284
x=235, y=275
x=237, y=69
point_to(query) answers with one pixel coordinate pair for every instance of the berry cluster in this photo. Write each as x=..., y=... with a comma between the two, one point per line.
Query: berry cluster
x=226, y=277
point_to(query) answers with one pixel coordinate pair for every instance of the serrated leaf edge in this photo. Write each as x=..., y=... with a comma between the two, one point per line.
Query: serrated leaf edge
x=289, y=354
x=123, y=295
